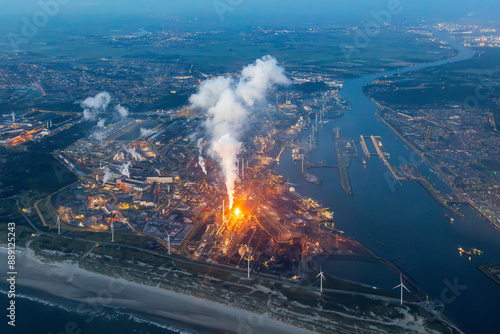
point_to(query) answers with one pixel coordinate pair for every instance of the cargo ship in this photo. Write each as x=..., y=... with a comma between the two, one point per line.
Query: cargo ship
x=451, y=219
x=461, y=250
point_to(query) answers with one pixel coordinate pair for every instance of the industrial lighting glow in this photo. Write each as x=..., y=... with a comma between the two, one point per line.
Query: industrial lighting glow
x=237, y=211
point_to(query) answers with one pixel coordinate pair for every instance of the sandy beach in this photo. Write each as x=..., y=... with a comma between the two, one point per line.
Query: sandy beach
x=66, y=280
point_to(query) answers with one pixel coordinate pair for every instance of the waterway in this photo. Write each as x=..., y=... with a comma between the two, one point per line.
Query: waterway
x=402, y=222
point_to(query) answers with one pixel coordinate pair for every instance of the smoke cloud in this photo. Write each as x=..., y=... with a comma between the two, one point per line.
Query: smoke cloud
x=101, y=122
x=228, y=103
x=122, y=111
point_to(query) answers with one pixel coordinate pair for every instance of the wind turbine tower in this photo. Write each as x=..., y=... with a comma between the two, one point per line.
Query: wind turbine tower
x=59, y=223
x=112, y=232
x=401, y=285
x=322, y=277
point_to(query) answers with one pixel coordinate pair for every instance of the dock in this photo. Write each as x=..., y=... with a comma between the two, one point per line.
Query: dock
x=344, y=150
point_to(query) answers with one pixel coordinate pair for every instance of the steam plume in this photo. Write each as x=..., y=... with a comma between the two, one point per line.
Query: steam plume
x=146, y=132
x=92, y=106
x=228, y=103
x=123, y=111
x=99, y=136
x=124, y=169
x=201, y=161
x=107, y=175
x=133, y=153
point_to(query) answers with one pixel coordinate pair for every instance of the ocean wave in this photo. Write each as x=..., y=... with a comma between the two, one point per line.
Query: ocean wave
x=164, y=326
x=34, y=299
x=105, y=312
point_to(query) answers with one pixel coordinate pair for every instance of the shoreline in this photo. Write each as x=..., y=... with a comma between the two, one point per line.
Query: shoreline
x=66, y=280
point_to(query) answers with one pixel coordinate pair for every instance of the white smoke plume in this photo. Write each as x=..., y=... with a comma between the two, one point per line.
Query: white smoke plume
x=92, y=106
x=101, y=122
x=13, y=117
x=201, y=161
x=99, y=136
x=228, y=103
x=157, y=171
x=133, y=153
x=107, y=175
x=124, y=169
x=122, y=111
x=146, y=132
x=227, y=148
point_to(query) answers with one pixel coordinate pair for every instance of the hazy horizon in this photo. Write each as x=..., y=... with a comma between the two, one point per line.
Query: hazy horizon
x=262, y=12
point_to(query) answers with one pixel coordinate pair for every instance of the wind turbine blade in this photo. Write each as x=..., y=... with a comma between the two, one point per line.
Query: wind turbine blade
x=318, y=275
x=406, y=288
x=397, y=286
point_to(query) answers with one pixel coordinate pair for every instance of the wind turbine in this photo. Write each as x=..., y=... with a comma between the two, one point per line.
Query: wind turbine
x=322, y=277
x=401, y=285
x=112, y=232
x=59, y=223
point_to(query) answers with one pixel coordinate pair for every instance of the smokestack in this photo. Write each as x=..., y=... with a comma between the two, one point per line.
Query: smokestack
x=112, y=232
x=243, y=169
